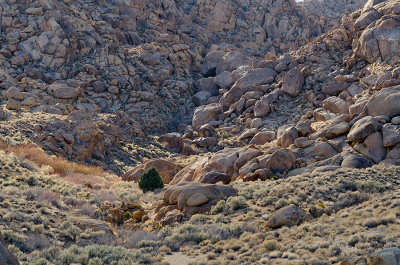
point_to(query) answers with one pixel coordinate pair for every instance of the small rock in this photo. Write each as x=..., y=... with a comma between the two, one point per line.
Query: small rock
x=362, y=128
x=287, y=134
x=303, y=142
x=391, y=135
x=215, y=177
x=263, y=137
x=165, y=167
x=355, y=161
x=249, y=133
x=256, y=123
x=14, y=93
x=180, y=193
x=396, y=120
x=332, y=87
x=201, y=98
x=320, y=149
x=12, y=104
x=34, y=11
x=293, y=82
x=206, y=113
x=208, y=85
x=206, y=131
x=224, y=80
x=172, y=141
x=261, y=108
x=372, y=147
x=337, y=130
x=287, y=216
x=385, y=102
x=336, y=105
x=63, y=91
x=280, y=161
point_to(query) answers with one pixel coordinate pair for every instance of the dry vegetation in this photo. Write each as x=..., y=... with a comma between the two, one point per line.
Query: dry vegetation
x=48, y=219
x=60, y=165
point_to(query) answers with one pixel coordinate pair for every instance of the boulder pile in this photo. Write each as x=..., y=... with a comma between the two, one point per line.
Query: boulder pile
x=332, y=103
x=186, y=199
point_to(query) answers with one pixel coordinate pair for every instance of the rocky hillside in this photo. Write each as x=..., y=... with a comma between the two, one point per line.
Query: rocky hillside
x=330, y=104
x=89, y=217
x=274, y=125
x=130, y=67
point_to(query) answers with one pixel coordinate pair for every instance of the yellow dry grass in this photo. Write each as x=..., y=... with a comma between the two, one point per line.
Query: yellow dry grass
x=40, y=157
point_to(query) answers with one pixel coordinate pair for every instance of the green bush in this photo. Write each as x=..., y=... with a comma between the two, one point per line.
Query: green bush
x=150, y=180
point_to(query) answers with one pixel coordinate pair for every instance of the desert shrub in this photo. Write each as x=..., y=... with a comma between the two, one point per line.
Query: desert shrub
x=374, y=222
x=41, y=261
x=221, y=231
x=36, y=242
x=345, y=185
x=38, y=229
x=50, y=253
x=164, y=250
x=229, y=206
x=370, y=186
x=147, y=244
x=16, y=251
x=199, y=219
x=269, y=200
x=44, y=195
x=247, y=191
x=127, y=215
x=349, y=199
x=90, y=234
x=14, y=238
x=280, y=204
x=87, y=209
x=132, y=238
x=376, y=240
x=95, y=261
x=40, y=219
x=186, y=233
x=334, y=250
x=150, y=180
x=235, y=203
x=270, y=245
x=94, y=254
x=353, y=240
x=70, y=230
x=219, y=207
x=103, y=195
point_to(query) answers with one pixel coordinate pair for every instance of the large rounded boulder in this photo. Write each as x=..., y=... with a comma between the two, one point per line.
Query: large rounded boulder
x=197, y=195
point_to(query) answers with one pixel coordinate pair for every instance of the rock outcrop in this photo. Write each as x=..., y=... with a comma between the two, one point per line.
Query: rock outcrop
x=186, y=199
x=287, y=216
x=386, y=256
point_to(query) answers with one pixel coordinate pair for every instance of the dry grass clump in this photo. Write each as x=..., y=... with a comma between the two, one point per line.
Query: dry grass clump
x=270, y=245
x=41, y=158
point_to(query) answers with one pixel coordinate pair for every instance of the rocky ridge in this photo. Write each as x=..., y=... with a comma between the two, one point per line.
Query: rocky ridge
x=133, y=65
x=293, y=129
x=330, y=104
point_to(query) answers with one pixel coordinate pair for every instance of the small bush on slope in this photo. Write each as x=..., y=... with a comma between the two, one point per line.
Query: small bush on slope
x=150, y=180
